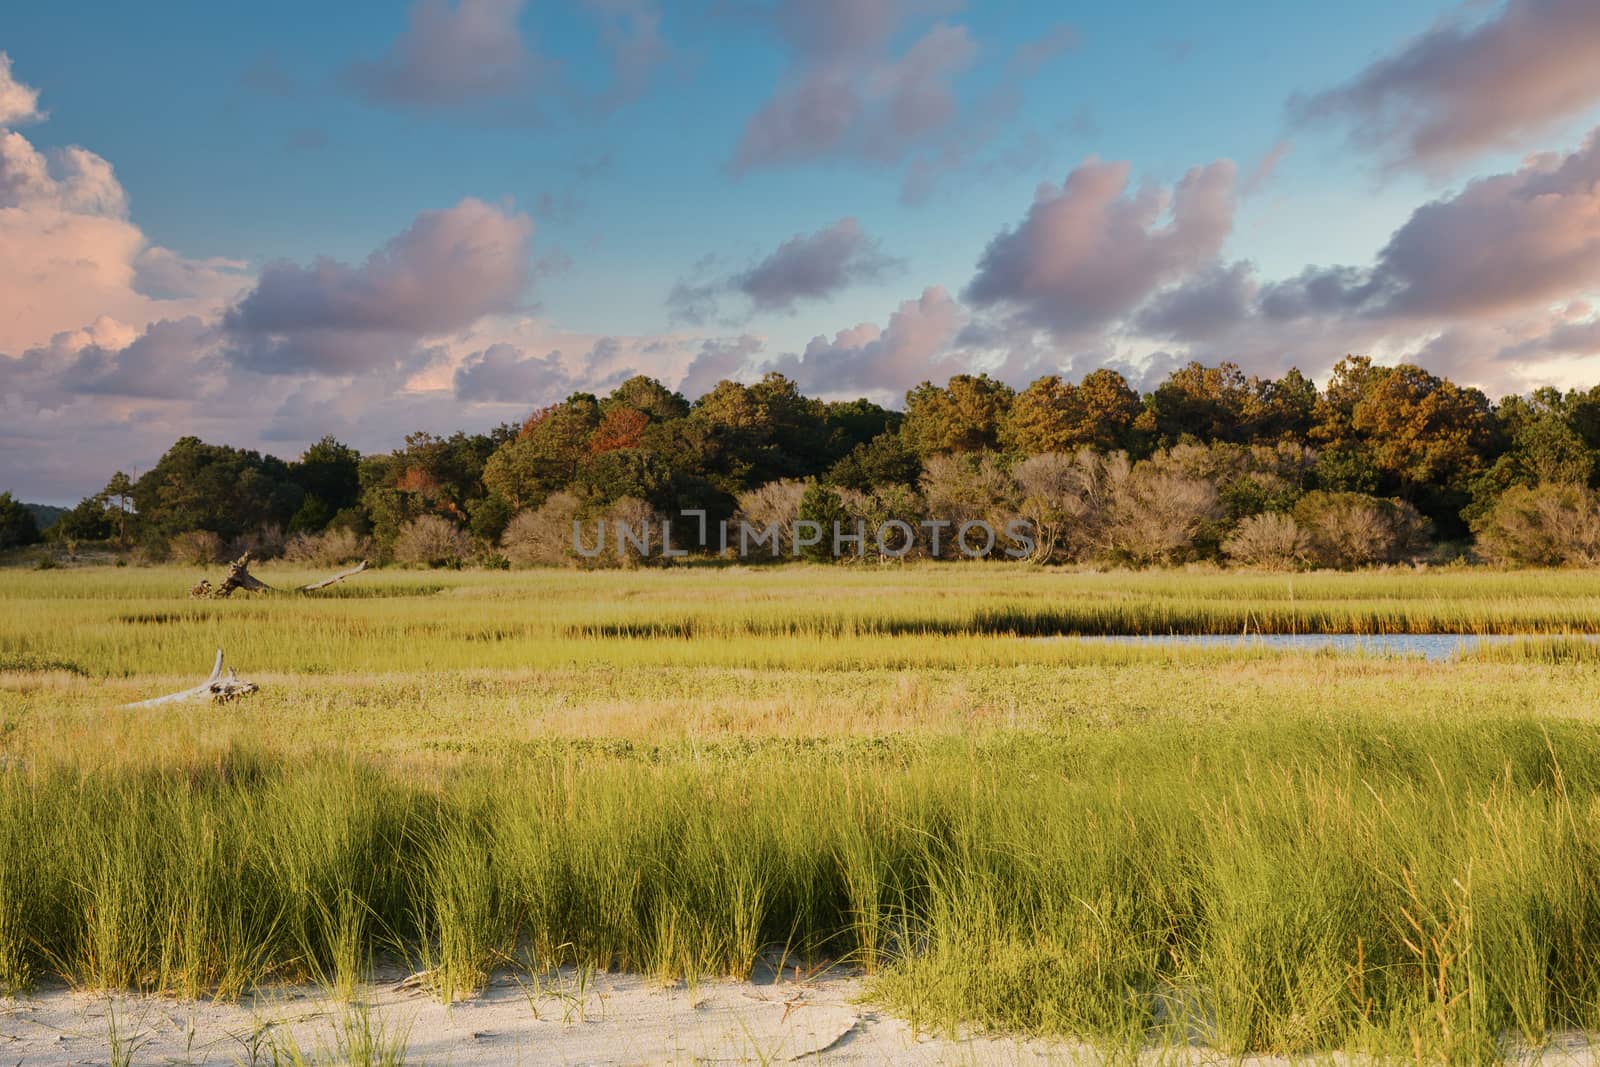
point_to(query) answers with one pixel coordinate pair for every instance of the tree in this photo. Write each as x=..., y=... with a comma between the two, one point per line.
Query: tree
x=329, y=475
x=964, y=416
x=823, y=506
x=89, y=521
x=229, y=491
x=119, y=491
x=648, y=397
x=884, y=460
x=17, y=524
x=1424, y=435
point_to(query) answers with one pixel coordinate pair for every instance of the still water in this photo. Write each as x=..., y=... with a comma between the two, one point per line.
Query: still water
x=1428, y=646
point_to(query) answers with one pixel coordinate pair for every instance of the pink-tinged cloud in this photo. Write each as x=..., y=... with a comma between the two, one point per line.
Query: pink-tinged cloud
x=18, y=103
x=452, y=56
x=717, y=360
x=1503, y=242
x=444, y=272
x=847, y=94
x=1463, y=88
x=813, y=267
x=915, y=346
x=1089, y=252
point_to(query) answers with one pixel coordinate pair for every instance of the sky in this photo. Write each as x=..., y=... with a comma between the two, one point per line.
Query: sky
x=262, y=224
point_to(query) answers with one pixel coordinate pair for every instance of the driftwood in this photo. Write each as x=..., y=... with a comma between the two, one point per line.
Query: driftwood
x=217, y=688
x=239, y=577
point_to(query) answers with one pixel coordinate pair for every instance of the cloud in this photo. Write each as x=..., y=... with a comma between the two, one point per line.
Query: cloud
x=447, y=270
x=1088, y=252
x=847, y=93
x=1203, y=305
x=1503, y=242
x=813, y=267
x=718, y=359
x=18, y=103
x=503, y=373
x=69, y=254
x=915, y=346
x=453, y=56
x=1463, y=88
x=806, y=267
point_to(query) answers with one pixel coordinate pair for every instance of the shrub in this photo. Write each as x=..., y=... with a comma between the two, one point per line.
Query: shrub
x=1271, y=540
x=542, y=536
x=431, y=541
x=196, y=547
x=1547, y=526
x=1349, y=530
x=1066, y=498
x=642, y=520
x=773, y=504
x=332, y=546
x=967, y=488
x=265, y=543
x=1157, y=513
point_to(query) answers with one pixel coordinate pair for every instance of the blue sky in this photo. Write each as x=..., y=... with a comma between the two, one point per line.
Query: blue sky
x=644, y=145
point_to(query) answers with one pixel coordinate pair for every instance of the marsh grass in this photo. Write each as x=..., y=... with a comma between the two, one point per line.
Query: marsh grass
x=1285, y=886
x=468, y=773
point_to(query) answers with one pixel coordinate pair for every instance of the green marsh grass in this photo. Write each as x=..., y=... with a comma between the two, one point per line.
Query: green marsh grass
x=469, y=772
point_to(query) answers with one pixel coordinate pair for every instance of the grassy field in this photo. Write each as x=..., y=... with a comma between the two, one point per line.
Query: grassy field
x=677, y=771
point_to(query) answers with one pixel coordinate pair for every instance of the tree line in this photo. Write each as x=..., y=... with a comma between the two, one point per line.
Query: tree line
x=1382, y=464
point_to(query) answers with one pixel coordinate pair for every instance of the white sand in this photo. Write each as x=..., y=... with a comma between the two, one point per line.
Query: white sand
x=618, y=1019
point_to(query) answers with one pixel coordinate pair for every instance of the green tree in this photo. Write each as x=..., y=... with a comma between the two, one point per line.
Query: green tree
x=17, y=524
x=966, y=415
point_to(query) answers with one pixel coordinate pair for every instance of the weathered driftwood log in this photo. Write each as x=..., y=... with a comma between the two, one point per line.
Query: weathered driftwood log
x=341, y=576
x=239, y=577
x=216, y=688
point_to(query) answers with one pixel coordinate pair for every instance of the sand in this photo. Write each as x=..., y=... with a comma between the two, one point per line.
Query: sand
x=617, y=1019
x=610, y=1019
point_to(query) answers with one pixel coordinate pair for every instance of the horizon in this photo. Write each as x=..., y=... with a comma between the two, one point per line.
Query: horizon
x=439, y=217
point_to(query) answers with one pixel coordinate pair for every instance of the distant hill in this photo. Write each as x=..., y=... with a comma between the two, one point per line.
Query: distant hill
x=46, y=514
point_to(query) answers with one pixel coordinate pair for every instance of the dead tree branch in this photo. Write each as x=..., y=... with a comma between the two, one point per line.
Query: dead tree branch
x=239, y=577
x=218, y=688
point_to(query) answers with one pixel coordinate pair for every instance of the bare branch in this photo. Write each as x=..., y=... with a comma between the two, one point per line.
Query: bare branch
x=217, y=688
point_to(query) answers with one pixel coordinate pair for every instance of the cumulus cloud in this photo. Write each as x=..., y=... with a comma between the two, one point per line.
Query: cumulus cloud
x=1088, y=252
x=1462, y=87
x=502, y=372
x=806, y=267
x=813, y=267
x=448, y=269
x=68, y=252
x=1503, y=242
x=1202, y=305
x=847, y=93
x=915, y=346
x=452, y=56
x=718, y=359
x=18, y=103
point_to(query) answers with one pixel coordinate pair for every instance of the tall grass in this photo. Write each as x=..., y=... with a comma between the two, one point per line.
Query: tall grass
x=1288, y=885
x=676, y=772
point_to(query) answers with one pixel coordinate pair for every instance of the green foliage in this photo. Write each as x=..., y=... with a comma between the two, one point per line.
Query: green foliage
x=17, y=525
x=227, y=491
x=825, y=508
x=966, y=415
